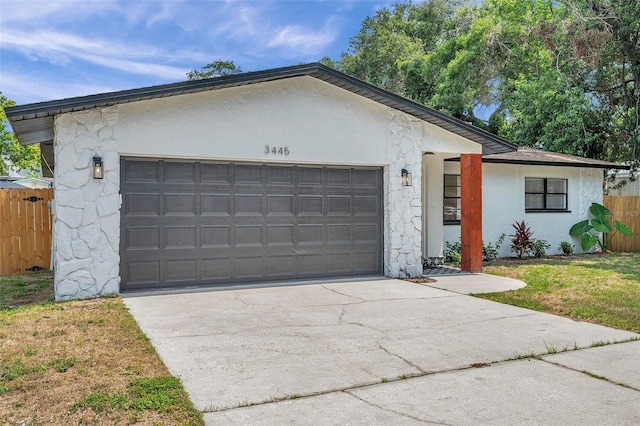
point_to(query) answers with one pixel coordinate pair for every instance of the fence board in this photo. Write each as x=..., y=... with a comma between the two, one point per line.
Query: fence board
x=25, y=230
x=626, y=209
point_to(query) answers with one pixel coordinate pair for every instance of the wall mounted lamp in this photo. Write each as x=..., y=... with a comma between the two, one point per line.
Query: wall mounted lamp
x=406, y=178
x=98, y=170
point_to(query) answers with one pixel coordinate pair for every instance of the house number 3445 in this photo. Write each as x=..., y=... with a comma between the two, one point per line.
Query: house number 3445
x=276, y=150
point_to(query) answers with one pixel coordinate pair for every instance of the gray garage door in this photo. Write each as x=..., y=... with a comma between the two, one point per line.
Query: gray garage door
x=200, y=223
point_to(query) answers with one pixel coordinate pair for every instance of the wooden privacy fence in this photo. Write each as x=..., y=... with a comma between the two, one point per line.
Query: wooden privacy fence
x=25, y=230
x=626, y=209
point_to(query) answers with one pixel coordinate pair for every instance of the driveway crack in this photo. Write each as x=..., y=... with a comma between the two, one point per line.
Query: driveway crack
x=341, y=294
x=428, y=422
x=402, y=358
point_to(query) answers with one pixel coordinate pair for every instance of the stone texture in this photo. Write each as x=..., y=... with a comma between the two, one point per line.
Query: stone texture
x=86, y=258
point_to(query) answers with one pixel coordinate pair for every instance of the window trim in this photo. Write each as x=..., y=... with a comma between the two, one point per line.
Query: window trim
x=444, y=197
x=545, y=193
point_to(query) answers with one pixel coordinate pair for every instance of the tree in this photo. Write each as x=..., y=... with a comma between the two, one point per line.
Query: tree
x=561, y=76
x=13, y=155
x=217, y=68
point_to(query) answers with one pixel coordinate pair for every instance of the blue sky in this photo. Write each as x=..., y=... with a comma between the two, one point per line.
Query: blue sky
x=61, y=49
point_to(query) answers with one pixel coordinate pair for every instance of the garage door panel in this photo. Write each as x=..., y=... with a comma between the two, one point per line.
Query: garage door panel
x=277, y=175
x=312, y=264
x=215, y=204
x=310, y=176
x=180, y=270
x=280, y=235
x=339, y=234
x=338, y=205
x=216, y=268
x=147, y=272
x=249, y=267
x=367, y=206
x=179, y=173
x=310, y=205
x=248, y=204
x=310, y=234
x=216, y=236
x=215, y=174
x=339, y=262
x=281, y=266
x=142, y=237
x=366, y=261
x=137, y=204
x=180, y=237
x=180, y=204
x=142, y=172
x=198, y=223
x=249, y=236
x=338, y=177
x=249, y=174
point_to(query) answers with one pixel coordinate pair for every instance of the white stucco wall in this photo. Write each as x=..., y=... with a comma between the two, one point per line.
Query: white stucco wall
x=317, y=122
x=503, y=203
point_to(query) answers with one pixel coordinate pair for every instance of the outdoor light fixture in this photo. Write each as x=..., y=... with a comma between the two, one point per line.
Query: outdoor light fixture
x=98, y=170
x=406, y=178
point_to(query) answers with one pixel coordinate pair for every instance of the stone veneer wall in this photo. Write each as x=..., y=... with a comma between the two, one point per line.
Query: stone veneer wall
x=86, y=230
x=403, y=204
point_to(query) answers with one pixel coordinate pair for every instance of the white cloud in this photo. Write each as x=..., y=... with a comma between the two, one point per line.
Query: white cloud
x=27, y=89
x=296, y=37
x=60, y=48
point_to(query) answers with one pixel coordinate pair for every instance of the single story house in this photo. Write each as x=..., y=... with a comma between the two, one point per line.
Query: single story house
x=284, y=174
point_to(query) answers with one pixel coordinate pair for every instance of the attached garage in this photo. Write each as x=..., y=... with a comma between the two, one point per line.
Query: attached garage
x=188, y=223
x=286, y=174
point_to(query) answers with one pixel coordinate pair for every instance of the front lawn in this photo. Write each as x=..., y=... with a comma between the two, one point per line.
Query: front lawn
x=599, y=288
x=80, y=362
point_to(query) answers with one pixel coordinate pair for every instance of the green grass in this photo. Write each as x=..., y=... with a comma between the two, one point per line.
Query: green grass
x=603, y=289
x=27, y=289
x=80, y=362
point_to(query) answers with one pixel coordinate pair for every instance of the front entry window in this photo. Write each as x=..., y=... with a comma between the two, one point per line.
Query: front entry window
x=452, y=199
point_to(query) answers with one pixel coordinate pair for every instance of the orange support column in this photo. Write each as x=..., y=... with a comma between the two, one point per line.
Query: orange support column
x=471, y=206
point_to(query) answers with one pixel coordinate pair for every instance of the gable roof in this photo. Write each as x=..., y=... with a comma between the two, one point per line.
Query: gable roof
x=33, y=123
x=532, y=156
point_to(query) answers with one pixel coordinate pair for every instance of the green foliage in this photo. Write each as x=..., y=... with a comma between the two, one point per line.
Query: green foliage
x=598, y=230
x=13, y=155
x=566, y=248
x=540, y=248
x=490, y=251
x=452, y=252
x=217, y=68
x=522, y=241
x=563, y=76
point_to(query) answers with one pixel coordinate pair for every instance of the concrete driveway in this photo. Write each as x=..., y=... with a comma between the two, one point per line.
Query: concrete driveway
x=389, y=352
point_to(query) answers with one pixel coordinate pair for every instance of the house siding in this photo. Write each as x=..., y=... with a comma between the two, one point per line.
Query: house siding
x=503, y=203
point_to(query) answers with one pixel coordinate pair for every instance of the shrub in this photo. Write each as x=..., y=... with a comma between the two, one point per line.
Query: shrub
x=452, y=252
x=490, y=251
x=541, y=247
x=522, y=241
x=566, y=248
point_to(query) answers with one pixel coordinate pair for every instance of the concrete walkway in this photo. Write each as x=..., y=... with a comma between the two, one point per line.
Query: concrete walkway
x=388, y=352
